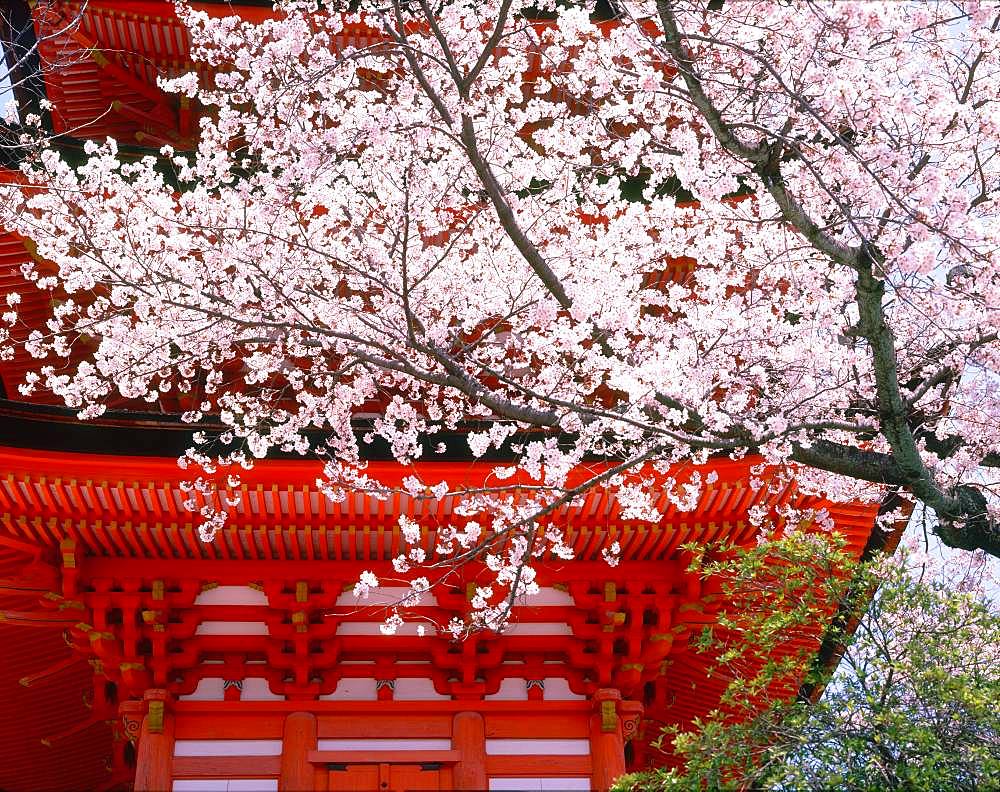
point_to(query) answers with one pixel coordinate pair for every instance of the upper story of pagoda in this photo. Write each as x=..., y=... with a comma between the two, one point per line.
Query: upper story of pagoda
x=91, y=69
x=97, y=64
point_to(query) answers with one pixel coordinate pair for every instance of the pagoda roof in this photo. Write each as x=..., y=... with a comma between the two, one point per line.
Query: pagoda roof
x=132, y=507
x=100, y=67
x=44, y=696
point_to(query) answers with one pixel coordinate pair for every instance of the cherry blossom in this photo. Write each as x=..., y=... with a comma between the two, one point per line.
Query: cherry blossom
x=689, y=232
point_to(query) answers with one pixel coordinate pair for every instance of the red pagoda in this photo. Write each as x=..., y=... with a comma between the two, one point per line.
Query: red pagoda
x=135, y=656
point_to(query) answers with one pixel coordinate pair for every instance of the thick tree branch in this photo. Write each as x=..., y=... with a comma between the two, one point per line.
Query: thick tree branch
x=963, y=520
x=762, y=158
x=505, y=215
x=962, y=517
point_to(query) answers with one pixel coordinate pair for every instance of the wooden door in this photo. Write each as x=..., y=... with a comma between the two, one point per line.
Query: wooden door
x=354, y=778
x=414, y=777
x=386, y=777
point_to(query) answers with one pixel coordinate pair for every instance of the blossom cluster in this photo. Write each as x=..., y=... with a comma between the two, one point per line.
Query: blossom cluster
x=415, y=227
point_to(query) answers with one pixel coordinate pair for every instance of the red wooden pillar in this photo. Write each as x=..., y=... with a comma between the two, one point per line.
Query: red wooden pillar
x=607, y=743
x=469, y=738
x=298, y=740
x=155, y=755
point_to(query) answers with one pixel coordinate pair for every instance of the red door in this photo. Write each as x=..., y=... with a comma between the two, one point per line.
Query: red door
x=414, y=777
x=386, y=777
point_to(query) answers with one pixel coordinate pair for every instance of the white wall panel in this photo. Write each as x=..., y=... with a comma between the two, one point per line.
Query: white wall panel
x=557, y=689
x=539, y=784
x=227, y=748
x=209, y=689
x=353, y=690
x=257, y=689
x=225, y=785
x=547, y=596
x=564, y=747
x=374, y=628
x=253, y=785
x=231, y=595
x=384, y=595
x=511, y=689
x=417, y=689
x=231, y=628
x=379, y=744
x=539, y=628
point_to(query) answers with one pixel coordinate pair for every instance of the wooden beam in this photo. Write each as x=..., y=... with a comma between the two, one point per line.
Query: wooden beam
x=239, y=572
x=224, y=767
x=163, y=113
x=539, y=765
x=380, y=757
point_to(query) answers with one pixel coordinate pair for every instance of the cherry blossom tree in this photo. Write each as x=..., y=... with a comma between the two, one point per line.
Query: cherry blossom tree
x=694, y=230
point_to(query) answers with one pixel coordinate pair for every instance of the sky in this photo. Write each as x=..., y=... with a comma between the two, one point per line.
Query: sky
x=983, y=568
x=6, y=95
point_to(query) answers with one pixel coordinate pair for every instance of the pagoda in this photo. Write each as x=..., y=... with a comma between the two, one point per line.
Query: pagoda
x=133, y=655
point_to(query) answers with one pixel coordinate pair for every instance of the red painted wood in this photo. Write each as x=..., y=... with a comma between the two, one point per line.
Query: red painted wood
x=413, y=722
x=625, y=622
x=380, y=757
x=354, y=778
x=155, y=752
x=229, y=726
x=389, y=777
x=413, y=777
x=123, y=526
x=607, y=748
x=469, y=739
x=538, y=766
x=358, y=713
x=144, y=543
x=225, y=767
x=299, y=739
x=242, y=572
x=566, y=725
